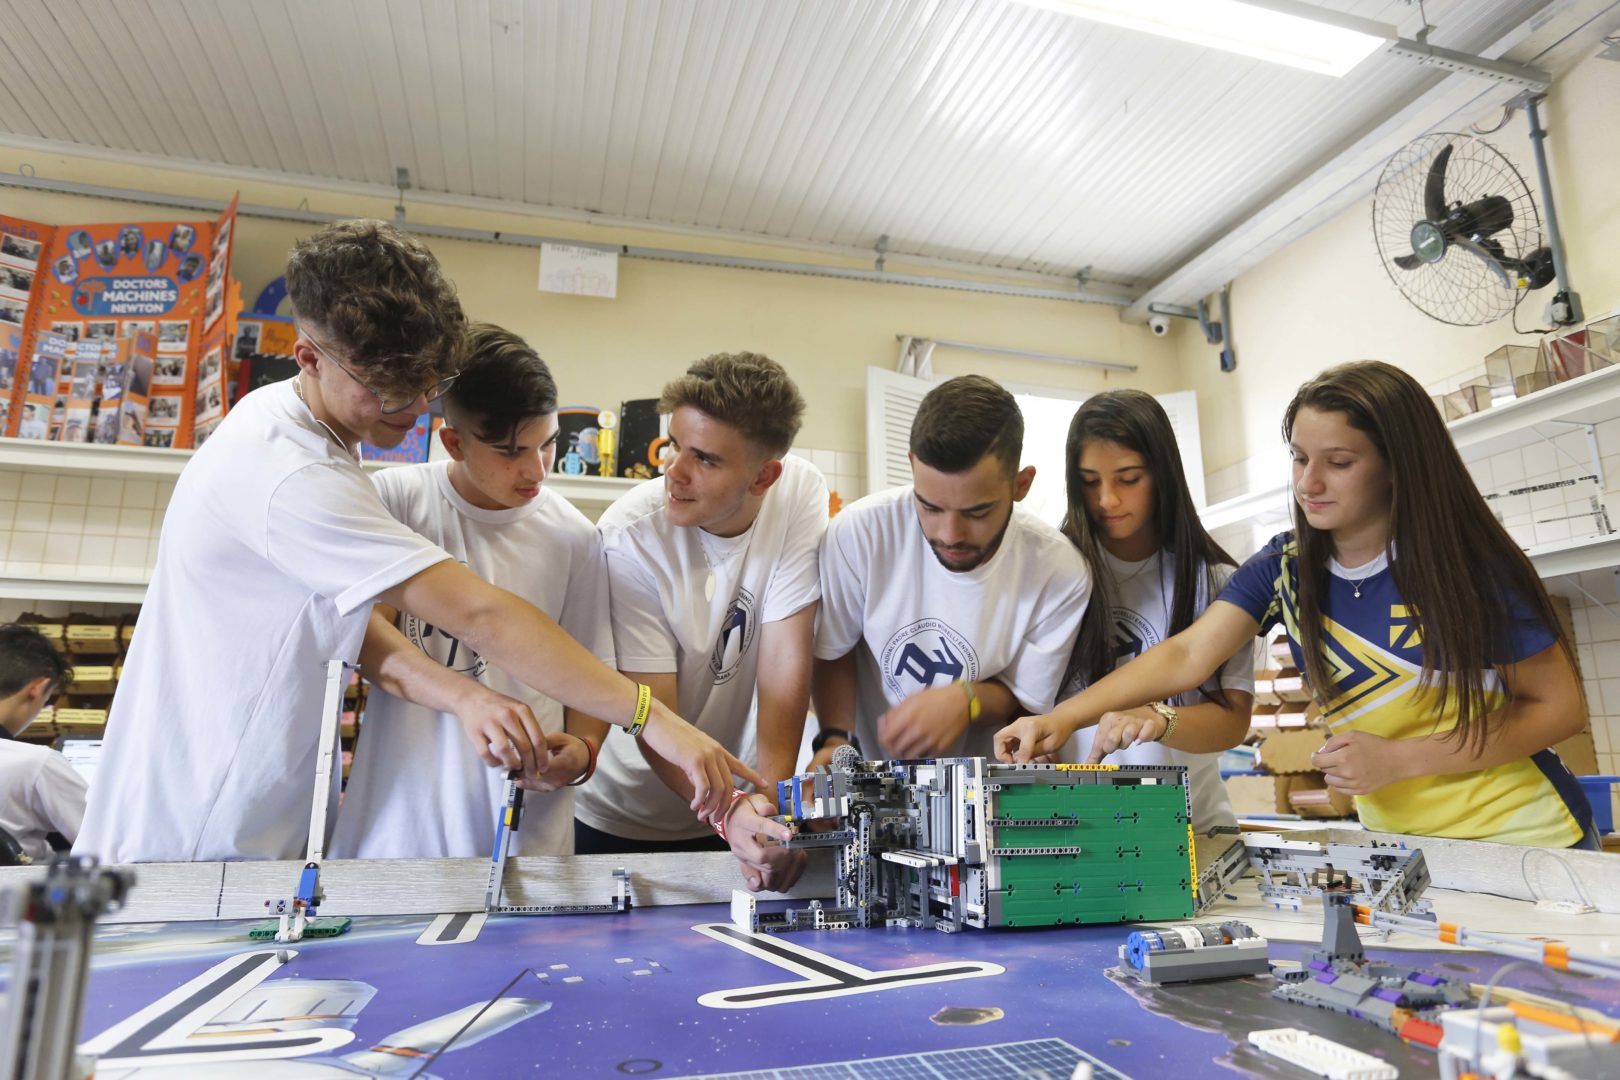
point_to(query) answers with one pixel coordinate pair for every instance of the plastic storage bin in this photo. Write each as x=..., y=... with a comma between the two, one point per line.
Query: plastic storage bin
x=1597, y=793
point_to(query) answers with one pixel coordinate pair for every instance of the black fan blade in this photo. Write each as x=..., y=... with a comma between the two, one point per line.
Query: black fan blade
x=1485, y=257
x=1408, y=262
x=1434, y=190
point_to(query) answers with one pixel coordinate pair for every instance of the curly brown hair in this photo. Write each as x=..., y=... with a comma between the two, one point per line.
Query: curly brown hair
x=752, y=393
x=379, y=297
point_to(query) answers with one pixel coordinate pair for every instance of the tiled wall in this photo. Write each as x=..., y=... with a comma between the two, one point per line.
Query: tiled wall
x=845, y=470
x=58, y=526
x=1533, y=520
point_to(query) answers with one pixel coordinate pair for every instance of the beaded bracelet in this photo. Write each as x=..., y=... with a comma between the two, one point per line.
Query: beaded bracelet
x=590, y=768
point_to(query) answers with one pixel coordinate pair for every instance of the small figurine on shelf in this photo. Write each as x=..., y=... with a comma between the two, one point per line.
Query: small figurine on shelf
x=573, y=462
x=607, y=439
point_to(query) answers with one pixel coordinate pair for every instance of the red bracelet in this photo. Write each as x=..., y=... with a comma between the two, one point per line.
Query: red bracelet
x=590, y=768
x=718, y=822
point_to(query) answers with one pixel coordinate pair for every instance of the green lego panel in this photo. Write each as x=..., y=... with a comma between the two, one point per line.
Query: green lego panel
x=1133, y=862
x=315, y=928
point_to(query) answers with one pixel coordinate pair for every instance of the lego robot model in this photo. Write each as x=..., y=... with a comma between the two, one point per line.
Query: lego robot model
x=55, y=919
x=1194, y=953
x=950, y=843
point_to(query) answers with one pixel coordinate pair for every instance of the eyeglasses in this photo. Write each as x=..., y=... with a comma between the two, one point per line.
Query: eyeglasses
x=391, y=403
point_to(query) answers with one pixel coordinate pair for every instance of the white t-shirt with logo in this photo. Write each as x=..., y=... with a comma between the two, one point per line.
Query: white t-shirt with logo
x=39, y=794
x=692, y=603
x=1142, y=620
x=918, y=625
x=417, y=788
x=274, y=548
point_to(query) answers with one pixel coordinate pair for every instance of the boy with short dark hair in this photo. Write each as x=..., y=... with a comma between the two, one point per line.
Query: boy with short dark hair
x=40, y=793
x=418, y=788
x=946, y=607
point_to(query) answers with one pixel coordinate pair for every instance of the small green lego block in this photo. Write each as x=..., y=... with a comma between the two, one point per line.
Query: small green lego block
x=315, y=928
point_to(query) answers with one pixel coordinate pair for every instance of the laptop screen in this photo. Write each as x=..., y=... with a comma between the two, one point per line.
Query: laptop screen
x=84, y=755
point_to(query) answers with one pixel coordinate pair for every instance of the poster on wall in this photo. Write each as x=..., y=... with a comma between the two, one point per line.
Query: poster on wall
x=82, y=372
x=42, y=386
x=126, y=388
x=23, y=247
x=207, y=404
x=163, y=284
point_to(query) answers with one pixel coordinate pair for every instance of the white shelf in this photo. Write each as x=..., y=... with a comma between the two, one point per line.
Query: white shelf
x=127, y=590
x=1261, y=504
x=37, y=455
x=87, y=459
x=1576, y=556
x=1590, y=399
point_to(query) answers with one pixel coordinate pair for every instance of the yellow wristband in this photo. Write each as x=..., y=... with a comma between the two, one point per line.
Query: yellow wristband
x=974, y=708
x=643, y=708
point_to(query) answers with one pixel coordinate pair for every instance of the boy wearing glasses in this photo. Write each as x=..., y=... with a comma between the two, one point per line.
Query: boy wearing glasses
x=40, y=794
x=275, y=547
x=488, y=507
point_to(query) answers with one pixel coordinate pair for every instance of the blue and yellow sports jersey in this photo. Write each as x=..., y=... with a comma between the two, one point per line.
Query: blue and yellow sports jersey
x=1376, y=654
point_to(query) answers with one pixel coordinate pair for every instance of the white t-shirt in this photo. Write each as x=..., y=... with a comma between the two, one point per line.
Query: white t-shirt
x=274, y=548
x=1012, y=618
x=1142, y=620
x=39, y=793
x=417, y=788
x=692, y=603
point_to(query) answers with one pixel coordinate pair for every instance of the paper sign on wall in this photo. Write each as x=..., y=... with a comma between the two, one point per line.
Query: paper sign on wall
x=579, y=271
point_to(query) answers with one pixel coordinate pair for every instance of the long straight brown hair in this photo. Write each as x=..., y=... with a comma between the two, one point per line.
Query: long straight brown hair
x=1137, y=422
x=1456, y=568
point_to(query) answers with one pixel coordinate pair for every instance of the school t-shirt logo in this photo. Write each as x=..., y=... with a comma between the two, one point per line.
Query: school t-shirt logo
x=442, y=646
x=1133, y=636
x=736, y=635
x=927, y=653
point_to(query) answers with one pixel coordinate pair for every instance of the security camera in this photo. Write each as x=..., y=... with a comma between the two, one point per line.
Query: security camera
x=1159, y=324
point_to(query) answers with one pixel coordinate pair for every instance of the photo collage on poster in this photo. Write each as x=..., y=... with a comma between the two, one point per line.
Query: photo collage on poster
x=22, y=246
x=131, y=310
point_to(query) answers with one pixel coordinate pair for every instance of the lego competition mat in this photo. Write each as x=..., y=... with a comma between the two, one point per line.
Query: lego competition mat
x=679, y=991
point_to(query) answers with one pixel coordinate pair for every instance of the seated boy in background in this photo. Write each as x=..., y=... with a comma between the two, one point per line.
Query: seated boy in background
x=39, y=791
x=418, y=788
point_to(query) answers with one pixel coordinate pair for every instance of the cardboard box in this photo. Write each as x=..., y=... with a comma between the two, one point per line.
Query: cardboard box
x=70, y=721
x=1264, y=693
x=1252, y=793
x=1291, y=689
x=1285, y=751
x=92, y=679
x=1305, y=794
x=1308, y=795
x=1579, y=751
x=98, y=638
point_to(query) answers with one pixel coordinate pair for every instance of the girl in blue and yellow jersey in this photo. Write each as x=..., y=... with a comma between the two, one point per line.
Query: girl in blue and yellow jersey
x=1423, y=630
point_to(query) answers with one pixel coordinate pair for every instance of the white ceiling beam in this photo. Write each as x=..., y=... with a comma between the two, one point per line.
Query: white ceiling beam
x=1553, y=39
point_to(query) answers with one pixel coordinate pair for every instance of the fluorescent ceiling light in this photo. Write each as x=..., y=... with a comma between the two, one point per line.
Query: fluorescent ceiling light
x=1281, y=31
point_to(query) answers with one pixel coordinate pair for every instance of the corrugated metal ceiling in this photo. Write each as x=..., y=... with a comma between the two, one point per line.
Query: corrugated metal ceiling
x=978, y=131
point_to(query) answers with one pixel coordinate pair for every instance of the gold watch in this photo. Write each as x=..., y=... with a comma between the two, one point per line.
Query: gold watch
x=1170, y=716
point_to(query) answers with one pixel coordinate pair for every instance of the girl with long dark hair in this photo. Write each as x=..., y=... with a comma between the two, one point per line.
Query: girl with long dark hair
x=1155, y=570
x=1424, y=632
